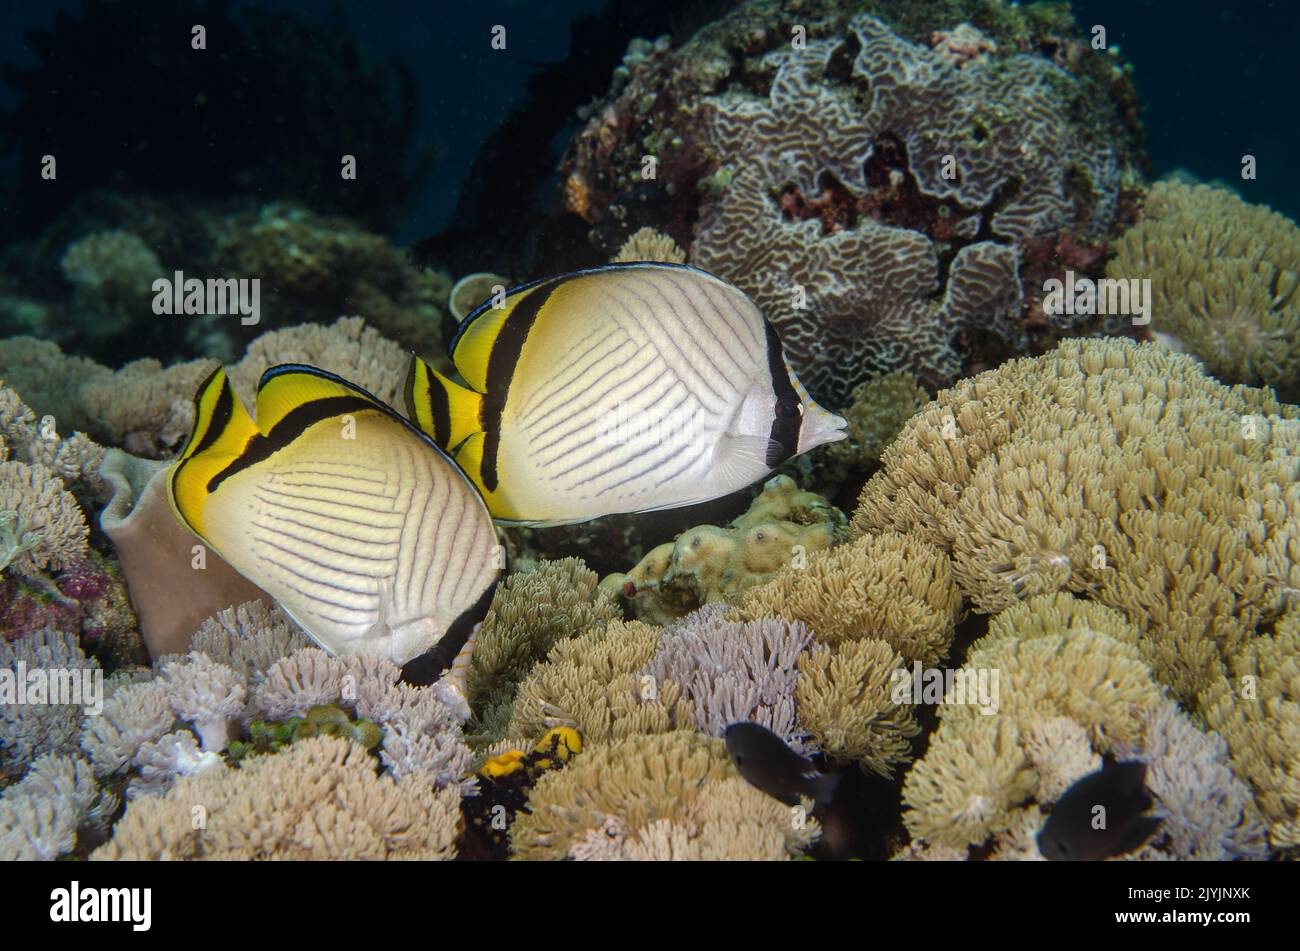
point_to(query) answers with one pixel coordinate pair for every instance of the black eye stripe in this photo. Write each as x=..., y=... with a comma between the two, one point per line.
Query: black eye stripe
x=785, y=429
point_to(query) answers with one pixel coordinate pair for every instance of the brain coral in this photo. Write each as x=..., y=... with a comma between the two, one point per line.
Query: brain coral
x=1225, y=281
x=872, y=194
x=1114, y=469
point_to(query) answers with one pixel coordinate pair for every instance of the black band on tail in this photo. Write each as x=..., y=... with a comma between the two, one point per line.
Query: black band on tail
x=428, y=667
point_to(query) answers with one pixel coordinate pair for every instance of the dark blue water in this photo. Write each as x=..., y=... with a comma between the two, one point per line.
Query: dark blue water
x=1217, y=80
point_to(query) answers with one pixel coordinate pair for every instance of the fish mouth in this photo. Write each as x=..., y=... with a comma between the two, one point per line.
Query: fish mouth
x=820, y=427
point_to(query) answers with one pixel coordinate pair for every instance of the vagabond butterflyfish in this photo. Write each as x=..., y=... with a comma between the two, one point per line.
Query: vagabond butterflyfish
x=624, y=388
x=360, y=527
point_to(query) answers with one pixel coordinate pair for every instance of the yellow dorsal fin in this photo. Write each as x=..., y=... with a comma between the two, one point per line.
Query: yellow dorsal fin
x=292, y=387
x=446, y=411
x=222, y=428
x=473, y=345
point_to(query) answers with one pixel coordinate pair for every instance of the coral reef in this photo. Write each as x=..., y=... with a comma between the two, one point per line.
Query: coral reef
x=42, y=814
x=295, y=683
x=208, y=695
x=166, y=759
x=1072, y=687
x=148, y=409
x=320, y=799
x=39, y=372
x=845, y=701
x=268, y=736
x=144, y=408
x=112, y=275
x=249, y=637
x=89, y=598
x=594, y=683
x=707, y=563
x=705, y=672
x=315, y=268
x=530, y=612
x=1113, y=469
x=309, y=269
x=1257, y=711
x=347, y=347
x=1054, y=659
x=1208, y=813
x=134, y=715
x=731, y=670
x=814, y=646
x=75, y=459
x=44, y=725
x=41, y=525
x=1078, y=551
x=669, y=795
x=878, y=410
x=146, y=742
x=889, y=586
x=727, y=821
x=650, y=245
x=250, y=688
x=1225, y=281
x=939, y=167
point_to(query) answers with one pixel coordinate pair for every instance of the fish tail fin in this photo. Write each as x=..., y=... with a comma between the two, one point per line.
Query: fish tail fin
x=1142, y=829
x=824, y=787
x=222, y=428
x=448, y=412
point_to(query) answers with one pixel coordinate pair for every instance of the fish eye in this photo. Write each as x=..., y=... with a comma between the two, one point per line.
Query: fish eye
x=788, y=409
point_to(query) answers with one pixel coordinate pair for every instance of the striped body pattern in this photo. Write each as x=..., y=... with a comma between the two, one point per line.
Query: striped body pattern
x=620, y=389
x=364, y=532
x=628, y=418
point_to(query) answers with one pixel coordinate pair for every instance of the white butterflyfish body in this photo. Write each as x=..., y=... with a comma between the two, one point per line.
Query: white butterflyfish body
x=625, y=388
x=355, y=522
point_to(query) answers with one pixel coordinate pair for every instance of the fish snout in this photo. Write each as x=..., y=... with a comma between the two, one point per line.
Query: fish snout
x=820, y=427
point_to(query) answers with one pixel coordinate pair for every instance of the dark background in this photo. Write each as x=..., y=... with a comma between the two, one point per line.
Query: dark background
x=1217, y=79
